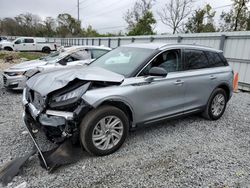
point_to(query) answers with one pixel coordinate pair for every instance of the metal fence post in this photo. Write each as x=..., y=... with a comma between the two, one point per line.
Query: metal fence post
x=109, y=42
x=87, y=41
x=222, y=42
x=118, y=42
x=93, y=42
x=99, y=42
x=179, y=38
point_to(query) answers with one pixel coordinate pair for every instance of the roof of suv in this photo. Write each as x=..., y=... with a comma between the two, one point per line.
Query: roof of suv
x=162, y=46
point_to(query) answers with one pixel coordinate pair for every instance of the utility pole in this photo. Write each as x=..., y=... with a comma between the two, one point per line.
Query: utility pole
x=78, y=7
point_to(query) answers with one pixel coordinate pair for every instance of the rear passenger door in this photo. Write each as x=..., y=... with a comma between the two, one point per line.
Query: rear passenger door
x=29, y=45
x=199, y=79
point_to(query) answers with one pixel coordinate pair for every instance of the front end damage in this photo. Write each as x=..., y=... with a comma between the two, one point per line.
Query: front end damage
x=54, y=107
x=58, y=120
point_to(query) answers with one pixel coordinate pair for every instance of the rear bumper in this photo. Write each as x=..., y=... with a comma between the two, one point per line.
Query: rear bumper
x=14, y=82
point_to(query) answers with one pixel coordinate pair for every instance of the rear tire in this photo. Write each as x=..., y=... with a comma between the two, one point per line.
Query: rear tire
x=104, y=130
x=216, y=105
x=46, y=50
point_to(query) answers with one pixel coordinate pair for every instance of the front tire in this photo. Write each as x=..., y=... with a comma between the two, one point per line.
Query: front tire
x=8, y=49
x=104, y=130
x=216, y=105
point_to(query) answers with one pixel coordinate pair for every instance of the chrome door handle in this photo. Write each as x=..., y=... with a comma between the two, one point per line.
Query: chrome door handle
x=178, y=82
x=212, y=77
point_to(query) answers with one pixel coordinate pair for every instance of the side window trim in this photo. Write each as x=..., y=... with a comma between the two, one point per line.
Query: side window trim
x=161, y=52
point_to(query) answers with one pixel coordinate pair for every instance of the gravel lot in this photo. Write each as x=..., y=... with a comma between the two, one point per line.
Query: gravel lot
x=190, y=152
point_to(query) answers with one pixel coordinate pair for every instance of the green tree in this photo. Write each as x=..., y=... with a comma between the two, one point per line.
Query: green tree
x=201, y=21
x=68, y=26
x=144, y=25
x=140, y=18
x=237, y=18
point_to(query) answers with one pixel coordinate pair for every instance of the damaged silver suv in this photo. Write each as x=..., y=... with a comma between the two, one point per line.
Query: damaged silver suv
x=133, y=85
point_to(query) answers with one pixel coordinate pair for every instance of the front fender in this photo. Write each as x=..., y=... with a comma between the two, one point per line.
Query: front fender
x=94, y=102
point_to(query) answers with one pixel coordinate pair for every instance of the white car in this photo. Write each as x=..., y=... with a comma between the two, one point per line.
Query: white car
x=29, y=44
x=15, y=77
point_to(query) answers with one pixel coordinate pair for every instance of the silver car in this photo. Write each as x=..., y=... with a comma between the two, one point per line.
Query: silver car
x=16, y=76
x=133, y=85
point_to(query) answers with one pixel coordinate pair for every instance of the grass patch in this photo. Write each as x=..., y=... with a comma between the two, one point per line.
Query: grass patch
x=19, y=55
x=2, y=55
x=30, y=55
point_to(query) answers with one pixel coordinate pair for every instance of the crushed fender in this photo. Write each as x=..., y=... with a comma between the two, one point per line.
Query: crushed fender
x=11, y=169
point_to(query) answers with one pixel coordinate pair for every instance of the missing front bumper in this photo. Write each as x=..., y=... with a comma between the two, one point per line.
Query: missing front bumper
x=65, y=153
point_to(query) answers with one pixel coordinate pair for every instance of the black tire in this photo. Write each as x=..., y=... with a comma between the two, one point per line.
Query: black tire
x=89, y=122
x=8, y=49
x=208, y=114
x=46, y=50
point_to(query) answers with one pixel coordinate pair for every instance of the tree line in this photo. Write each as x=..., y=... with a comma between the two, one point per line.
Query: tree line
x=176, y=15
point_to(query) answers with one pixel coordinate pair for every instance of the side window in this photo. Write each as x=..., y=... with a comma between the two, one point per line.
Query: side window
x=28, y=40
x=19, y=41
x=96, y=53
x=81, y=55
x=169, y=60
x=224, y=60
x=214, y=59
x=195, y=59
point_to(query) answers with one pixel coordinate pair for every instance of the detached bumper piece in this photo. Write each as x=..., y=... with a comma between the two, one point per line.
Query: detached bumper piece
x=63, y=154
x=11, y=169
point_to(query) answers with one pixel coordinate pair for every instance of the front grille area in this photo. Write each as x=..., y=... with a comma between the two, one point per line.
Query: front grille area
x=11, y=73
x=4, y=80
x=36, y=99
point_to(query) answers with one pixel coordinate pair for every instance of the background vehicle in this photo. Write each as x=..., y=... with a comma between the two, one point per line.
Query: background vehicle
x=102, y=101
x=3, y=38
x=15, y=77
x=29, y=44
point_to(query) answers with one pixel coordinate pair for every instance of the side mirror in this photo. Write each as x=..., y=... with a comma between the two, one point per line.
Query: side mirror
x=158, y=71
x=63, y=62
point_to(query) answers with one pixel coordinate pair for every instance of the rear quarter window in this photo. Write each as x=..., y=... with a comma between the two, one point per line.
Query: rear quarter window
x=215, y=59
x=28, y=40
x=195, y=59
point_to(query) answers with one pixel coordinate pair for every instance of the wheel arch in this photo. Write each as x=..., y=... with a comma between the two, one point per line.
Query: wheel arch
x=122, y=105
x=226, y=88
x=8, y=47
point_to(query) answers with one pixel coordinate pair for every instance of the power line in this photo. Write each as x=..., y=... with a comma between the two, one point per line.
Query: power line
x=108, y=11
x=123, y=26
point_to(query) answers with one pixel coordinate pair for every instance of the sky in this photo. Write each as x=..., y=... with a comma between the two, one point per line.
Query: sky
x=103, y=15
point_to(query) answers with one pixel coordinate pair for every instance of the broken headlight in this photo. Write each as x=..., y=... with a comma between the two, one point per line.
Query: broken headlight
x=70, y=97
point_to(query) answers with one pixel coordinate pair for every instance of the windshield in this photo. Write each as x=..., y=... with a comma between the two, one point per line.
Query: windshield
x=51, y=56
x=123, y=60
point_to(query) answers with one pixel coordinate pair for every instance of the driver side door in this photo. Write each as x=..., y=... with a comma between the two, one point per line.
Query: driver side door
x=162, y=97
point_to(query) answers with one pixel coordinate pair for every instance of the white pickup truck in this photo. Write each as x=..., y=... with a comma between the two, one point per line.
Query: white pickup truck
x=28, y=44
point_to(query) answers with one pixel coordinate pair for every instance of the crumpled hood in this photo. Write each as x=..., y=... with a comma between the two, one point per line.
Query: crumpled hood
x=27, y=65
x=45, y=83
